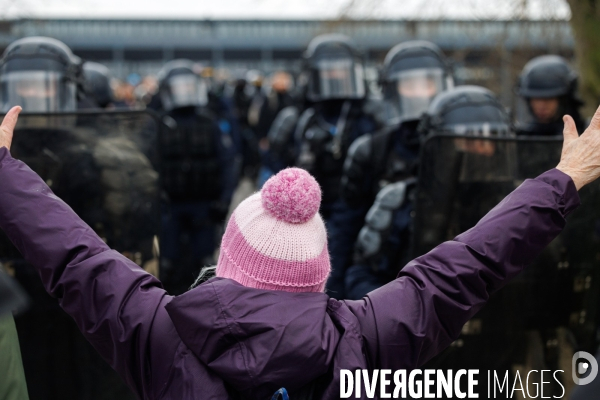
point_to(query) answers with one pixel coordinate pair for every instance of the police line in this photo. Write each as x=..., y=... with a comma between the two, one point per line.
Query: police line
x=419, y=384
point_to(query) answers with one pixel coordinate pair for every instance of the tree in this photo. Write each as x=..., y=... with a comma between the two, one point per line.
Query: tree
x=585, y=20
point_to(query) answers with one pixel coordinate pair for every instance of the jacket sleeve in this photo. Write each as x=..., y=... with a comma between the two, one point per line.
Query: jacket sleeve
x=12, y=384
x=414, y=317
x=113, y=301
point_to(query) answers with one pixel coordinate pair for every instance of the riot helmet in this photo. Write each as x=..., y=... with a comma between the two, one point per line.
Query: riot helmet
x=547, y=90
x=40, y=74
x=97, y=83
x=471, y=114
x=466, y=111
x=334, y=69
x=413, y=73
x=180, y=86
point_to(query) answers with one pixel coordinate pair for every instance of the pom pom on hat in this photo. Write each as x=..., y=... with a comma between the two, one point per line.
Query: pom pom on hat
x=292, y=195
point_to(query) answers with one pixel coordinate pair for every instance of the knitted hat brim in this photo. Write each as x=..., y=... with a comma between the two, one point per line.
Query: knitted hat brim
x=241, y=261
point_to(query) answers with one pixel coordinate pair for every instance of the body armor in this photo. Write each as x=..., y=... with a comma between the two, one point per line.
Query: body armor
x=190, y=157
x=385, y=214
x=323, y=145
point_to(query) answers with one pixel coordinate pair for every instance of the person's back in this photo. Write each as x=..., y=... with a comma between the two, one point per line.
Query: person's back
x=198, y=171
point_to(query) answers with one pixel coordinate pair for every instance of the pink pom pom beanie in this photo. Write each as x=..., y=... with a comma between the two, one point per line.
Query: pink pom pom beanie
x=276, y=239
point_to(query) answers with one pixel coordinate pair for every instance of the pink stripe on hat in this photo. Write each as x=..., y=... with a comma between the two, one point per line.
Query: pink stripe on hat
x=276, y=240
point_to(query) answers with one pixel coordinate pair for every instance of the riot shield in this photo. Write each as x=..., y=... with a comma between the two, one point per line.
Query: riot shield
x=100, y=164
x=550, y=310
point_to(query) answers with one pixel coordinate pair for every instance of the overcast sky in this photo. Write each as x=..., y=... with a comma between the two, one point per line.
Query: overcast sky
x=285, y=9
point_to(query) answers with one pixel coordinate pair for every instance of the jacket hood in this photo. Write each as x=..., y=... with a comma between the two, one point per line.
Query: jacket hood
x=257, y=340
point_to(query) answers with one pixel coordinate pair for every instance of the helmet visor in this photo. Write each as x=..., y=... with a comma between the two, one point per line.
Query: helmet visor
x=540, y=110
x=185, y=91
x=337, y=79
x=484, y=129
x=37, y=91
x=413, y=90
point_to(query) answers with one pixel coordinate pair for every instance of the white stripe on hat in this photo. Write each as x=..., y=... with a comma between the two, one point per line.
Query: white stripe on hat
x=278, y=239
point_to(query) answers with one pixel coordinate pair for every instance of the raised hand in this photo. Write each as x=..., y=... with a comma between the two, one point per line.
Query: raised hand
x=580, y=158
x=8, y=126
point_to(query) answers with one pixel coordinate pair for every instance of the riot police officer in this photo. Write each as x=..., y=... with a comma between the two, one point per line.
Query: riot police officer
x=337, y=112
x=337, y=93
x=222, y=106
x=198, y=175
x=277, y=151
x=547, y=90
x=413, y=73
x=42, y=75
x=97, y=84
x=383, y=244
x=269, y=101
x=98, y=175
x=460, y=180
x=241, y=101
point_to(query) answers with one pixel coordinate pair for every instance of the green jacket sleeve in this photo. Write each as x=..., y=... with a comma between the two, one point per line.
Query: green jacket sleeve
x=12, y=376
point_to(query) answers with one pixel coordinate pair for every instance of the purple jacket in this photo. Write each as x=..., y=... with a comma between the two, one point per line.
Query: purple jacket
x=191, y=346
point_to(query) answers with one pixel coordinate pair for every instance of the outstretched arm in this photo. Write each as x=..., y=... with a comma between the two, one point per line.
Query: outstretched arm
x=113, y=301
x=410, y=320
